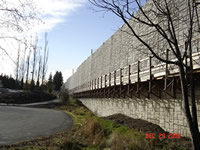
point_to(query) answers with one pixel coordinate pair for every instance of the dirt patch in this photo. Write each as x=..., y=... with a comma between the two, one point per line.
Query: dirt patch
x=138, y=124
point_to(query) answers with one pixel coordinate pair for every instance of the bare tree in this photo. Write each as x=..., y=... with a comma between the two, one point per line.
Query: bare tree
x=18, y=63
x=23, y=63
x=39, y=68
x=160, y=20
x=34, y=61
x=28, y=66
x=45, y=59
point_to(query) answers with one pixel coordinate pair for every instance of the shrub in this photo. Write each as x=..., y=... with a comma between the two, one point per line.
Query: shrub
x=64, y=95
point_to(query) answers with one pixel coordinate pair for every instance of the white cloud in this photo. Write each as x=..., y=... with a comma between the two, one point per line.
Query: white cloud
x=53, y=12
x=48, y=25
x=58, y=7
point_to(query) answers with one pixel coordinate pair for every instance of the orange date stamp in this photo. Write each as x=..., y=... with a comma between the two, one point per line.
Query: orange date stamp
x=163, y=135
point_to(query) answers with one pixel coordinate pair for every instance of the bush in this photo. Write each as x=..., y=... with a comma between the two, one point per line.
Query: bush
x=25, y=97
x=64, y=95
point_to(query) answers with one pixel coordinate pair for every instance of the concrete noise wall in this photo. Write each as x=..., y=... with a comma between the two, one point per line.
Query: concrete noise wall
x=123, y=49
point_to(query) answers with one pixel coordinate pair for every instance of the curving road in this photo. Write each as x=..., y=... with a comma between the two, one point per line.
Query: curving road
x=21, y=123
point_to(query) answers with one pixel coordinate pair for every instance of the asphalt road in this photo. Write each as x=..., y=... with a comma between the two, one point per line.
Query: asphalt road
x=21, y=123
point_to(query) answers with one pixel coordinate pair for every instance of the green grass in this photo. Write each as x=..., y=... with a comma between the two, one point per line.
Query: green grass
x=77, y=119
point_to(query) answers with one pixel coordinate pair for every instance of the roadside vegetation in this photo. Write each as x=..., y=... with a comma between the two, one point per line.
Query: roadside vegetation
x=15, y=92
x=25, y=97
x=90, y=132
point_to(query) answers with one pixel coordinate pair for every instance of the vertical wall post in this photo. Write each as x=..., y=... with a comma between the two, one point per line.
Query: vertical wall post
x=105, y=86
x=138, y=79
x=115, y=78
x=98, y=87
x=109, y=89
x=114, y=84
x=95, y=80
x=150, y=76
x=101, y=87
x=166, y=70
x=92, y=84
x=95, y=87
x=101, y=82
x=120, y=79
x=97, y=83
x=110, y=79
x=129, y=80
x=92, y=87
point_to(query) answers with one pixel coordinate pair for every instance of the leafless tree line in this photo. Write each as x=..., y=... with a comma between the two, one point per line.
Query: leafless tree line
x=31, y=62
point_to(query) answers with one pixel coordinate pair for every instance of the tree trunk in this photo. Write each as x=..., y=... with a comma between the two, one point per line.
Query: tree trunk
x=193, y=128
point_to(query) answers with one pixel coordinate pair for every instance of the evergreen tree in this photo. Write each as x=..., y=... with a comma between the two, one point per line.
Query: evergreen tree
x=57, y=80
x=8, y=82
x=50, y=83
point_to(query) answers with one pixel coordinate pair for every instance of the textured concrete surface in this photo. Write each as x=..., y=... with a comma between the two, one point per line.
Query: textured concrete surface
x=19, y=124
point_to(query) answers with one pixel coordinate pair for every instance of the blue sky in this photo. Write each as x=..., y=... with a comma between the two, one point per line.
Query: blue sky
x=71, y=41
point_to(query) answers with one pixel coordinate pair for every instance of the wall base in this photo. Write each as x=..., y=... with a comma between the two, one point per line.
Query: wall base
x=168, y=114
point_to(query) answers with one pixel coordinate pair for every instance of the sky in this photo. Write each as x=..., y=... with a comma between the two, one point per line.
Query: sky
x=73, y=28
